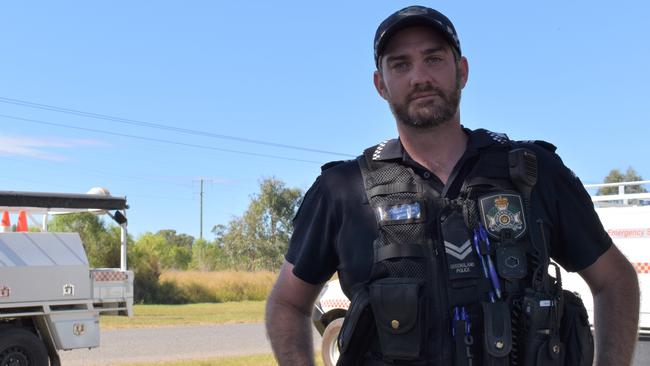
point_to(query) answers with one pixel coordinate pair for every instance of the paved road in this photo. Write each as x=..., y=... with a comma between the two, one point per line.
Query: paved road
x=177, y=343
x=173, y=343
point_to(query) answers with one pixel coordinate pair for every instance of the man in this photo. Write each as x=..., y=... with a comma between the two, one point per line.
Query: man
x=439, y=239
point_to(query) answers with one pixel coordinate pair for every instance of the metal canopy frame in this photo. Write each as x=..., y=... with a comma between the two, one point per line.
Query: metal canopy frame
x=47, y=204
x=64, y=202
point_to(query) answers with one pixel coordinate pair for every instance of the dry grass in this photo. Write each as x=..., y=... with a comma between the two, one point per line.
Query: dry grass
x=222, y=286
x=213, y=297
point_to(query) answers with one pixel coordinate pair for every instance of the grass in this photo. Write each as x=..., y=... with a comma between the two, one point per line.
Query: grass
x=257, y=360
x=222, y=286
x=146, y=316
x=220, y=293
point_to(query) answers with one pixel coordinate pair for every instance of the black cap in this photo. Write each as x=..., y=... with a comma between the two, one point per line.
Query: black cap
x=413, y=16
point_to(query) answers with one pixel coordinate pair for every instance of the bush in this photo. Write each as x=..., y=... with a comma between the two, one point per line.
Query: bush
x=148, y=289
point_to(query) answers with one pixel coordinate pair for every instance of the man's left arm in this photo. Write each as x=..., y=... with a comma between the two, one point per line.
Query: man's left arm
x=615, y=288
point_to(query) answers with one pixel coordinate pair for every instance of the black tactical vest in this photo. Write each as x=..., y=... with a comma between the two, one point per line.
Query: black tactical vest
x=455, y=282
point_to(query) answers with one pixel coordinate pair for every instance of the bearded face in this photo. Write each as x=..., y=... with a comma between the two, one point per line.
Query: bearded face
x=421, y=78
x=425, y=112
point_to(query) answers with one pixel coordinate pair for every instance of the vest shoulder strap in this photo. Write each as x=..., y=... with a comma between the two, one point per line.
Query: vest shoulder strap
x=541, y=143
x=331, y=164
x=365, y=173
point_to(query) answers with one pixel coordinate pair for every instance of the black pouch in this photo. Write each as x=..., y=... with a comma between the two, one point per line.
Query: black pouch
x=497, y=334
x=549, y=352
x=355, y=334
x=397, y=306
x=542, y=346
x=575, y=332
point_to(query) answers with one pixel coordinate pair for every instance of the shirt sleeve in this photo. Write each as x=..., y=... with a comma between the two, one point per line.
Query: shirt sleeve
x=312, y=245
x=579, y=238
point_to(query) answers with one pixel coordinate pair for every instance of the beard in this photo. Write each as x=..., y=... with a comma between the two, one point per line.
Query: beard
x=430, y=113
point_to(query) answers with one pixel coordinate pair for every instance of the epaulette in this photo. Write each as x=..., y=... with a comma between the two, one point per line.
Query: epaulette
x=386, y=150
x=331, y=164
x=500, y=138
x=482, y=138
x=546, y=145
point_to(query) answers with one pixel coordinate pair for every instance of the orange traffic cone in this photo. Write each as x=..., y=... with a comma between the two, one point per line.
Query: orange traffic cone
x=22, y=222
x=6, y=223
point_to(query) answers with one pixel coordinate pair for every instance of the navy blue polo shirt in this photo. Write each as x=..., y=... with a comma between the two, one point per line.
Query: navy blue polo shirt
x=335, y=226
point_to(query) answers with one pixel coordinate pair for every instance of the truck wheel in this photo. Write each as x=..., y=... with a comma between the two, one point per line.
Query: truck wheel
x=330, y=347
x=20, y=347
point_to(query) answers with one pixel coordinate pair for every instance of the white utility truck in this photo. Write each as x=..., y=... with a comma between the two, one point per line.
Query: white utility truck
x=50, y=299
x=625, y=216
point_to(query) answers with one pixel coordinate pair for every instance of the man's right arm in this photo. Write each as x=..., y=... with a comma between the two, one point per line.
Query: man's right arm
x=288, y=318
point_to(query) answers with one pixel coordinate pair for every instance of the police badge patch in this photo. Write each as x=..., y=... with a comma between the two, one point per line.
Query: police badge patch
x=503, y=211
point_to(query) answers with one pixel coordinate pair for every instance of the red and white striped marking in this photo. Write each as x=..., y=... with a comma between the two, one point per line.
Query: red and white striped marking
x=336, y=303
x=642, y=267
x=106, y=276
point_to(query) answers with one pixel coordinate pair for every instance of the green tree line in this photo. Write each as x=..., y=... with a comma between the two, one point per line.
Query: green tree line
x=255, y=241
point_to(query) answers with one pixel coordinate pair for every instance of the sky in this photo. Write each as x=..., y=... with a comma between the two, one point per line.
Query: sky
x=148, y=98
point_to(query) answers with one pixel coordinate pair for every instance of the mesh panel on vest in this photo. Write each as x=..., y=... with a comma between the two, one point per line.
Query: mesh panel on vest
x=390, y=174
x=411, y=233
x=393, y=199
x=406, y=233
x=405, y=267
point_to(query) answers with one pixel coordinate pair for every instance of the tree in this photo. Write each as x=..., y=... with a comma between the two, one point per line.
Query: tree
x=208, y=256
x=170, y=254
x=259, y=239
x=179, y=240
x=150, y=256
x=616, y=176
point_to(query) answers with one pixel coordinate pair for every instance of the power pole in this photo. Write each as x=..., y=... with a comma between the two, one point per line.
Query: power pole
x=201, y=214
x=202, y=182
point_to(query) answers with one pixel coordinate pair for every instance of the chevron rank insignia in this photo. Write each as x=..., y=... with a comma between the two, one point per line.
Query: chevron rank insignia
x=503, y=211
x=458, y=252
x=461, y=257
x=461, y=262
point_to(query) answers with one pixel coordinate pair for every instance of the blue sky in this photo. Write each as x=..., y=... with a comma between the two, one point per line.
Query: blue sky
x=574, y=73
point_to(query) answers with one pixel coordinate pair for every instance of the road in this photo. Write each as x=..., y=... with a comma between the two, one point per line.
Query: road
x=193, y=342
x=173, y=343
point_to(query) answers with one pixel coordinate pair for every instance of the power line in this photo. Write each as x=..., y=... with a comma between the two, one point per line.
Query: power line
x=101, y=173
x=156, y=139
x=160, y=126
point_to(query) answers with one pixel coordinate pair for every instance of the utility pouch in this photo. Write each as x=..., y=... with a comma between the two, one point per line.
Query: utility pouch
x=575, y=332
x=353, y=340
x=497, y=339
x=511, y=257
x=511, y=262
x=542, y=345
x=546, y=351
x=397, y=305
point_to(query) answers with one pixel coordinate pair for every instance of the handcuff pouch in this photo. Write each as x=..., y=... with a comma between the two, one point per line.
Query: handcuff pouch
x=398, y=309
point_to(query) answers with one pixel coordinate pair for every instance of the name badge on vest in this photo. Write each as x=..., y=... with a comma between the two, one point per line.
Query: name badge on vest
x=503, y=211
x=400, y=213
x=458, y=248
